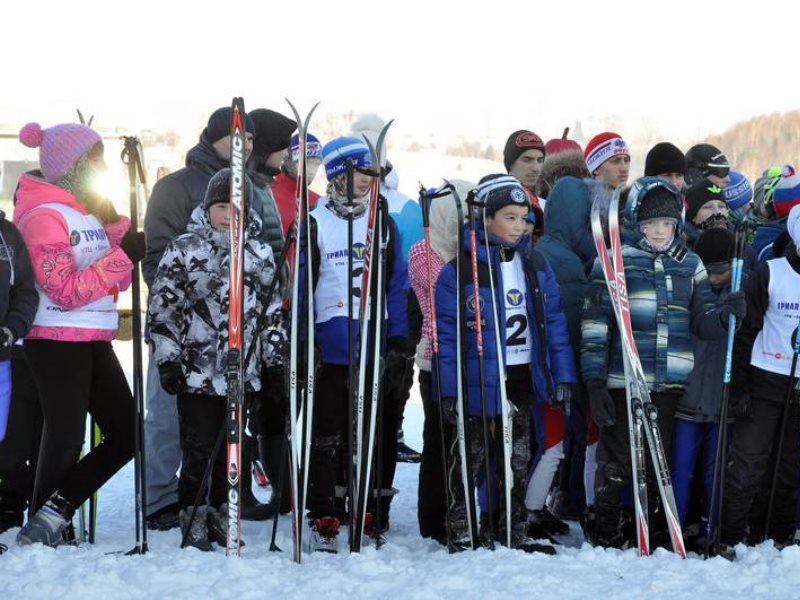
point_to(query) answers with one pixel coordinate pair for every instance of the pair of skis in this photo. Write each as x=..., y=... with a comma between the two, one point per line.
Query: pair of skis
x=371, y=338
x=642, y=413
x=448, y=456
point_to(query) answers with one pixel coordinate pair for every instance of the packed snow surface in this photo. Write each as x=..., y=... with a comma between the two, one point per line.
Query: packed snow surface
x=406, y=567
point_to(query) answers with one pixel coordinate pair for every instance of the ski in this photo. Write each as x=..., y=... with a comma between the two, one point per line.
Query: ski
x=505, y=405
x=461, y=397
x=301, y=394
x=371, y=318
x=475, y=305
x=235, y=362
x=641, y=406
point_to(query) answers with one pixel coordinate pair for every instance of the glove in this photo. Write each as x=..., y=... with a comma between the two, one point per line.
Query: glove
x=739, y=407
x=172, y=379
x=395, y=366
x=102, y=208
x=273, y=384
x=6, y=337
x=601, y=403
x=449, y=413
x=734, y=304
x=133, y=244
x=563, y=398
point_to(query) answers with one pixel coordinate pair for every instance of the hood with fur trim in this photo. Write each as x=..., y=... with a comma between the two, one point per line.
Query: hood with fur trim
x=569, y=163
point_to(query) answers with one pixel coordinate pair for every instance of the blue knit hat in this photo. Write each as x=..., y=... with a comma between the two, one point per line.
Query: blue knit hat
x=313, y=147
x=336, y=153
x=738, y=192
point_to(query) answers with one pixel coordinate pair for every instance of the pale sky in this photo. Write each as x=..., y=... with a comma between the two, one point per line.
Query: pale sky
x=685, y=68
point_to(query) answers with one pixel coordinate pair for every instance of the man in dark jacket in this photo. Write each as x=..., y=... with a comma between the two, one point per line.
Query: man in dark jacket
x=171, y=204
x=21, y=422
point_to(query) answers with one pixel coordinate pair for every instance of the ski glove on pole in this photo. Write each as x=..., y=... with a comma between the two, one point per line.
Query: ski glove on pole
x=734, y=304
x=172, y=378
x=133, y=244
x=563, y=398
x=601, y=402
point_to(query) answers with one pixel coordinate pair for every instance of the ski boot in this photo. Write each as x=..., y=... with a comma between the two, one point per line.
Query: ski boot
x=49, y=523
x=218, y=525
x=521, y=539
x=198, y=532
x=536, y=527
x=324, y=535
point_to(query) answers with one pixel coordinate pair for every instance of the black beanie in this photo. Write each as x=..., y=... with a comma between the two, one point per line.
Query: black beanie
x=518, y=143
x=714, y=246
x=219, y=124
x=273, y=131
x=700, y=158
x=218, y=190
x=659, y=203
x=664, y=158
x=701, y=192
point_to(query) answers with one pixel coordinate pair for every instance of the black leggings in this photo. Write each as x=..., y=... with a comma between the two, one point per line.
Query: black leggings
x=74, y=378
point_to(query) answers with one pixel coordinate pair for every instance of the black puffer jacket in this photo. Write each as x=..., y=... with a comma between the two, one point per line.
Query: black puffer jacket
x=175, y=197
x=265, y=207
x=18, y=296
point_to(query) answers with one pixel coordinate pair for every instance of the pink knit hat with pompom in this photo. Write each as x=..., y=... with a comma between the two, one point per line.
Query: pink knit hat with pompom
x=60, y=146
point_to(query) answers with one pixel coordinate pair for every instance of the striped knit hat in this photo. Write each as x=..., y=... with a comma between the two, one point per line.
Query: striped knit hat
x=602, y=147
x=498, y=191
x=336, y=153
x=60, y=146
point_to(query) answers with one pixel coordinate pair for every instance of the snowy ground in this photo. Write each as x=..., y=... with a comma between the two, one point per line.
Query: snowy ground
x=406, y=567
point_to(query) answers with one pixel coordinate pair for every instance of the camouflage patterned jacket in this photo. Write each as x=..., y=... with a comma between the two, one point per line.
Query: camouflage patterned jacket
x=188, y=312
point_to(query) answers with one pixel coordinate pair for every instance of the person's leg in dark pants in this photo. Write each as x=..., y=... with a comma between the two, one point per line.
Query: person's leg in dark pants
x=431, y=497
x=200, y=418
x=613, y=470
x=329, y=439
x=751, y=447
x=20, y=448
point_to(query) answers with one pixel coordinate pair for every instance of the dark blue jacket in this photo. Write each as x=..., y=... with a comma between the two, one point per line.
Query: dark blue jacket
x=18, y=296
x=552, y=360
x=568, y=246
x=764, y=238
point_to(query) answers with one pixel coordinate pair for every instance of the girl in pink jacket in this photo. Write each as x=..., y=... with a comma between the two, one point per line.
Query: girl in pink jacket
x=82, y=254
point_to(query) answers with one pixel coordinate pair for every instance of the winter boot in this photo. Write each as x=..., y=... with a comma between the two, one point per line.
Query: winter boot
x=522, y=540
x=165, y=518
x=483, y=529
x=47, y=526
x=589, y=524
x=324, y=533
x=536, y=528
x=218, y=525
x=552, y=524
x=273, y=451
x=561, y=507
x=405, y=453
x=252, y=509
x=198, y=533
x=727, y=551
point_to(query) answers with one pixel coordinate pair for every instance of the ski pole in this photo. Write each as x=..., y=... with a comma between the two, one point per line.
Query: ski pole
x=790, y=391
x=424, y=202
x=131, y=155
x=714, y=524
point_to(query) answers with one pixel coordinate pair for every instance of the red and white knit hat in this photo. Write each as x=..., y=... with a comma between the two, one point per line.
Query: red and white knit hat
x=602, y=147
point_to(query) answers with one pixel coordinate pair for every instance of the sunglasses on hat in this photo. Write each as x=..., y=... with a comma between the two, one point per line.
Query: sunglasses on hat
x=718, y=171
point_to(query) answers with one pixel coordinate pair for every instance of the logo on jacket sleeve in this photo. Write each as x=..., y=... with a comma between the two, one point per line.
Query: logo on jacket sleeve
x=74, y=237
